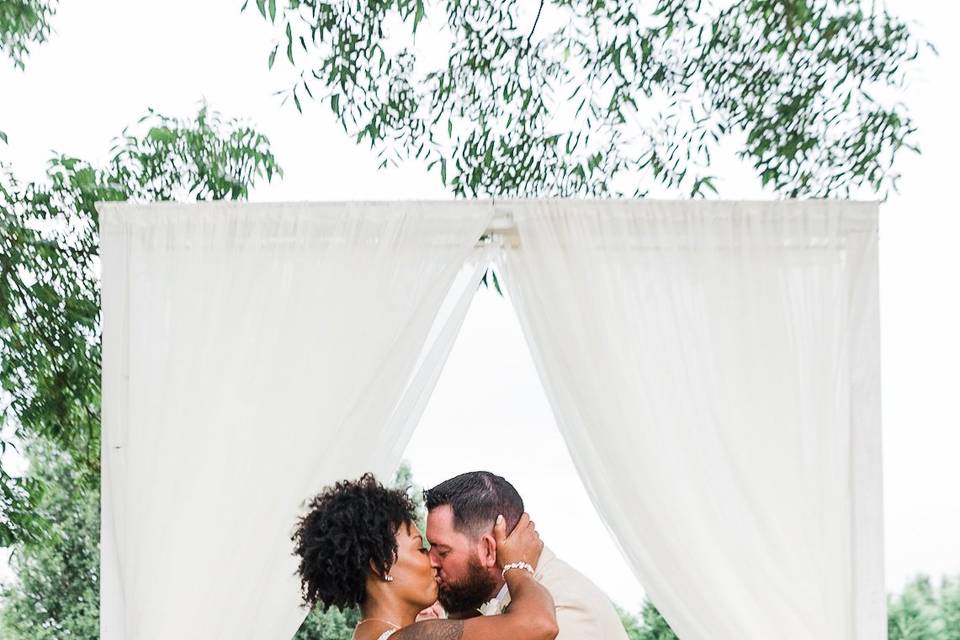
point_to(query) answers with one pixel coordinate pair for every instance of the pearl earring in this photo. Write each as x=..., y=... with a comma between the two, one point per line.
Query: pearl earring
x=388, y=578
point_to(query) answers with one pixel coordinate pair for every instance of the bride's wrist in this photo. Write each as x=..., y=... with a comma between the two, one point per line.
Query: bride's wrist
x=517, y=580
x=518, y=567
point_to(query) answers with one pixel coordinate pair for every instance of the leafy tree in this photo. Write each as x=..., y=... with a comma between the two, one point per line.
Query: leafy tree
x=649, y=625
x=329, y=624
x=631, y=624
x=56, y=593
x=654, y=625
x=923, y=612
x=590, y=97
x=23, y=22
x=50, y=289
x=403, y=479
x=913, y=615
x=950, y=608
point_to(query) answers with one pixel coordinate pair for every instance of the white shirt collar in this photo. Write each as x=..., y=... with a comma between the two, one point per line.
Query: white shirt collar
x=496, y=604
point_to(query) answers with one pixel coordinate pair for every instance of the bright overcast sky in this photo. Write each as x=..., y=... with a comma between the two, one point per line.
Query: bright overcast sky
x=110, y=60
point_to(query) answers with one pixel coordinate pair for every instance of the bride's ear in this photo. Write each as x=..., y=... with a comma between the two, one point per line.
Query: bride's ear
x=488, y=551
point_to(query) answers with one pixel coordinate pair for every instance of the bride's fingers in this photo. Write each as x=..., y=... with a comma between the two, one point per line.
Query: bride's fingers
x=523, y=523
x=500, y=529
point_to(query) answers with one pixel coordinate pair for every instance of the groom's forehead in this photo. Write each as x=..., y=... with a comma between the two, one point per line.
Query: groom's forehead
x=442, y=528
x=440, y=525
x=440, y=518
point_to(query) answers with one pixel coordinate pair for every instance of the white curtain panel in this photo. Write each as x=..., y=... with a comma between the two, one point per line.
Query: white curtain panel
x=714, y=369
x=252, y=354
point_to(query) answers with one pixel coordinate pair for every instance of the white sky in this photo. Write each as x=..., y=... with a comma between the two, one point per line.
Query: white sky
x=110, y=60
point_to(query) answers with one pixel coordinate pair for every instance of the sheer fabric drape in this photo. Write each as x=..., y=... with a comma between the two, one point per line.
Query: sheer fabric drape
x=714, y=370
x=253, y=354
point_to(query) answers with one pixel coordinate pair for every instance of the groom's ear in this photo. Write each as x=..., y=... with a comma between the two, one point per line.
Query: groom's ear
x=487, y=550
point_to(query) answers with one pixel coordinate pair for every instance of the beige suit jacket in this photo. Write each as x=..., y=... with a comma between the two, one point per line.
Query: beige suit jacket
x=583, y=611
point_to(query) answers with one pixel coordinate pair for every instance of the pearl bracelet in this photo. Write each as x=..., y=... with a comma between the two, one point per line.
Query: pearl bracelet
x=516, y=565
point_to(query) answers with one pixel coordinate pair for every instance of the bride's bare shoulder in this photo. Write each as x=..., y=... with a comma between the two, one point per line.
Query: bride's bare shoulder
x=431, y=630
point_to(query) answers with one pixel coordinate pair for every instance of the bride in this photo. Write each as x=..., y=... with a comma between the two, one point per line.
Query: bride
x=359, y=545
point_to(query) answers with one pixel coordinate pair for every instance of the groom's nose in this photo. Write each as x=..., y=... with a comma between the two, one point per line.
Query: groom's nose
x=434, y=559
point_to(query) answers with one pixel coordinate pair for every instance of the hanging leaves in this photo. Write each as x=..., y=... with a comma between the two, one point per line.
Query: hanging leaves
x=570, y=97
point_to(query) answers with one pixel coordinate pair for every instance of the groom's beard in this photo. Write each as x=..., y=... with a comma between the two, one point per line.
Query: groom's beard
x=470, y=593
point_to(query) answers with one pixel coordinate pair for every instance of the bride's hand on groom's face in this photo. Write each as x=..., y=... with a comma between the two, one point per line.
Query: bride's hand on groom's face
x=523, y=544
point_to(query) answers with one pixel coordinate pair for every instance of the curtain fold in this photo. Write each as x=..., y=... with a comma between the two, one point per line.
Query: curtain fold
x=252, y=354
x=714, y=370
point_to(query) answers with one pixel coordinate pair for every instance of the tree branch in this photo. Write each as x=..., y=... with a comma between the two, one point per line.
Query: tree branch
x=535, y=21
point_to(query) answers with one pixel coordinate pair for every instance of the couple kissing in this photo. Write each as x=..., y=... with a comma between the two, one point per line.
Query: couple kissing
x=485, y=574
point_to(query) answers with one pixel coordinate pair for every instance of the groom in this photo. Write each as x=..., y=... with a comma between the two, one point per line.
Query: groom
x=461, y=513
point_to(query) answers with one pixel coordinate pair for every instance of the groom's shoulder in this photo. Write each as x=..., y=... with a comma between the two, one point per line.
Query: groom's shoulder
x=568, y=585
x=583, y=610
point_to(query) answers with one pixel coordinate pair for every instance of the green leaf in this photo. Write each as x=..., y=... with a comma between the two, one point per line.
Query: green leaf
x=418, y=15
x=162, y=135
x=273, y=57
x=273, y=11
x=290, y=43
x=262, y=8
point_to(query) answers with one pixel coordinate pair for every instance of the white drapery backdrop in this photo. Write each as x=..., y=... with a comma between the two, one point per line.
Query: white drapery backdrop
x=714, y=370
x=713, y=367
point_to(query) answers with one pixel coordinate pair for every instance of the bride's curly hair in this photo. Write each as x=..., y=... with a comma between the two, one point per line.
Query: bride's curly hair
x=348, y=526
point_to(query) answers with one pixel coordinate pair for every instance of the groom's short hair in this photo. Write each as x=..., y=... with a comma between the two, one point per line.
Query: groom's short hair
x=477, y=498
